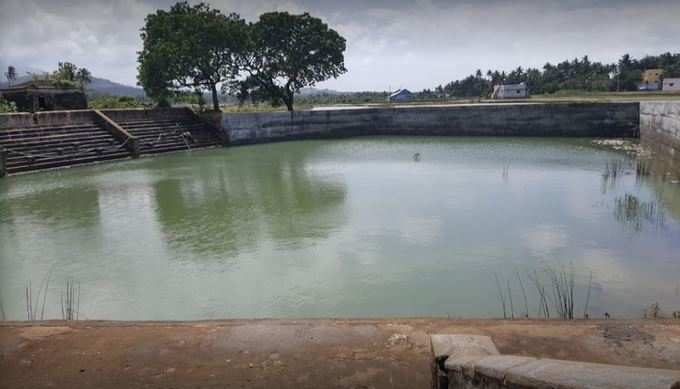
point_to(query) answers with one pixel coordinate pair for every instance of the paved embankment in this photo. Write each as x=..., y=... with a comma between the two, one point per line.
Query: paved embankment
x=300, y=353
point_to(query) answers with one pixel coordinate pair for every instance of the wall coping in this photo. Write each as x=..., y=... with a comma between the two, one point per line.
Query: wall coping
x=473, y=359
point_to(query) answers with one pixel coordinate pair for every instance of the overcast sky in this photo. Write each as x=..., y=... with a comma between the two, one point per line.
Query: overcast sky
x=390, y=44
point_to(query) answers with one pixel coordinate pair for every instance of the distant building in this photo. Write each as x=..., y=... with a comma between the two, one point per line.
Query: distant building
x=510, y=91
x=671, y=84
x=401, y=95
x=44, y=95
x=651, y=80
x=650, y=76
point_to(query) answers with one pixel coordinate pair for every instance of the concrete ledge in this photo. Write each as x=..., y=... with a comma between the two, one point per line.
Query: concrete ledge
x=474, y=362
x=462, y=345
x=118, y=132
x=20, y=120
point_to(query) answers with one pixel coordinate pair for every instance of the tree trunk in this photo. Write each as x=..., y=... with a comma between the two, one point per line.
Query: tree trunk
x=216, y=102
x=288, y=99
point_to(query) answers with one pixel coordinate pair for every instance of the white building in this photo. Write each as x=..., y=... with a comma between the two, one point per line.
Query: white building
x=671, y=84
x=510, y=91
x=400, y=95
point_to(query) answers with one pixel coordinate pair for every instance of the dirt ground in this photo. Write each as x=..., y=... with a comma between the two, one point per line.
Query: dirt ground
x=299, y=353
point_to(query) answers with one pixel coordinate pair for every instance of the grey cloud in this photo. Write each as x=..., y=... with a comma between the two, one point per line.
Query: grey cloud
x=399, y=43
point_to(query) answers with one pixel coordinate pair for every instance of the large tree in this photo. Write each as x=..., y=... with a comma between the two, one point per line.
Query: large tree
x=287, y=53
x=190, y=47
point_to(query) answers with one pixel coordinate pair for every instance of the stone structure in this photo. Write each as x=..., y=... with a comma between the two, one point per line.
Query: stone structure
x=35, y=96
x=47, y=140
x=660, y=132
x=468, y=361
x=564, y=119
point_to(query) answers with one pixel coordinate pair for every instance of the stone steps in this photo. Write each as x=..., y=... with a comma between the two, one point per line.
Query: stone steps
x=45, y=147
x=158, y=135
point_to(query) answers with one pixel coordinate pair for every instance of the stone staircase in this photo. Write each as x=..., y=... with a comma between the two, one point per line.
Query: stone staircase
x=49, y=146
x=160, y=134
x=67, y=138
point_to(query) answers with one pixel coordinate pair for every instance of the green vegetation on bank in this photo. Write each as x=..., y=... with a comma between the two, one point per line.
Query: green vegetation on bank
x=7, y=106
x=577, y=74
x=102, y=102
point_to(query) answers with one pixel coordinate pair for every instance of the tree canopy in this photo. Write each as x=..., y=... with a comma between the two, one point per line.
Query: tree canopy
x=197, y=47
x=194, y=47
x=287, y=53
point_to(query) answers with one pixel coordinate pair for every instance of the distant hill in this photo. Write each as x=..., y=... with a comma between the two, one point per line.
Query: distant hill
x=318, y=92
x=98, y=86
x=106, y=87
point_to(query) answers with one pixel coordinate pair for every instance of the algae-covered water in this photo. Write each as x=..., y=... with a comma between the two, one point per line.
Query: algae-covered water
x=387, y=226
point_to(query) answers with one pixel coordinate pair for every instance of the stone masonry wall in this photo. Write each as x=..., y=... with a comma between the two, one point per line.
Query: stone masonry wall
x=660, y=132
x=582, y=119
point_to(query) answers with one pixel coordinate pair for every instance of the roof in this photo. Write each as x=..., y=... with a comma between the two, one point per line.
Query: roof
x=521, y=85
x=400, y=91
x=46, y=86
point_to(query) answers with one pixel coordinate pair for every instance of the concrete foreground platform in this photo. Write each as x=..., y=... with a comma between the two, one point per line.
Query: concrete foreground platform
x=324, y=353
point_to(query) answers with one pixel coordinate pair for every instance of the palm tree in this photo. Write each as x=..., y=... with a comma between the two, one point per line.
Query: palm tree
x=83, y=76
x=11, y=74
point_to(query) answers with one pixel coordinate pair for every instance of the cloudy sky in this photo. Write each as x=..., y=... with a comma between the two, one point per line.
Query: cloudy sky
x=390, y=44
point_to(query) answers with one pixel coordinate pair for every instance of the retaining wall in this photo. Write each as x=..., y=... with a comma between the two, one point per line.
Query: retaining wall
x=49, y=118
x=563, y=119
x=660, y=132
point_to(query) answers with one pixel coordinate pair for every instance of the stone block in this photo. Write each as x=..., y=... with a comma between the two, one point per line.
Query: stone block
x=462, y=345
x=550, y=373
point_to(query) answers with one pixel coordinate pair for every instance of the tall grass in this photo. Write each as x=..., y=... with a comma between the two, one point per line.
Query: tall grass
x=562, y=291
x=524, y=294
x=501, y=295
x=2, y=310
x=70, y=301
x=556, y=290
x=35, y=304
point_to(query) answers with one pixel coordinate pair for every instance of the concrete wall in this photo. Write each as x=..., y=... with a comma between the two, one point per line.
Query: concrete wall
x=660, y=132
x=123, y=115
x=19, y=120
x=582, y=119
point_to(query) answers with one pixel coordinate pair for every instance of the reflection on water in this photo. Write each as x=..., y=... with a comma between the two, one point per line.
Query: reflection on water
x=225, y=209
x=360, y=227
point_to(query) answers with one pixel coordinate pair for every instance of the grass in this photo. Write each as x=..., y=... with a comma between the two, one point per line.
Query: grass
x=556, y=290
x=70, y=301
x=33, y=303
x=2, y=310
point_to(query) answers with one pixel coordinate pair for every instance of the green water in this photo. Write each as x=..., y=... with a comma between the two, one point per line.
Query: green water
x=350, y=228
